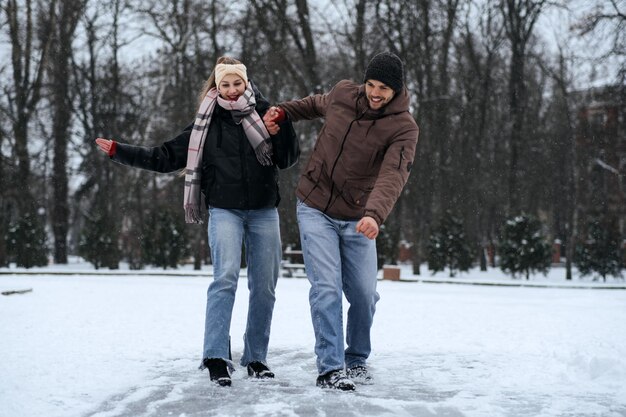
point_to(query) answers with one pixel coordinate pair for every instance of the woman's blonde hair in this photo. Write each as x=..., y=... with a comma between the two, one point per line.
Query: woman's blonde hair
x=210, y=83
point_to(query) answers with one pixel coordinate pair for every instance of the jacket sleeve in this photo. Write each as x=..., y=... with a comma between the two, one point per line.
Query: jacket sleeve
x=393, y=175
x=168, y=157
x=308, y=108
x=286, y=146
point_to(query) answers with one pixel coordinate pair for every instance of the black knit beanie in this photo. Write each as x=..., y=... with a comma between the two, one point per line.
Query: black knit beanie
x=386, y=68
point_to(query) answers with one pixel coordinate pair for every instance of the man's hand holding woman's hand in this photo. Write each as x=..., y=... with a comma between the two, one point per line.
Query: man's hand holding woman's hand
x=271, y=118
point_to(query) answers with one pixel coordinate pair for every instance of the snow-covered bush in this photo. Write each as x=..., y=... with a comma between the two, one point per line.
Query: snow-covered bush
x=27, y=241
x=448, y=247
x=523, y=247
x=600, y=252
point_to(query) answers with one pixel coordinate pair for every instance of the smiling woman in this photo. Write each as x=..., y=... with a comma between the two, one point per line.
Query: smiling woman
x=232, y=158
x=231, y=86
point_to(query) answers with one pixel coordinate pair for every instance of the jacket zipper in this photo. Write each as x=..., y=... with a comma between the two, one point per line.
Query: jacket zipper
x=401, y=158
x=244, y=167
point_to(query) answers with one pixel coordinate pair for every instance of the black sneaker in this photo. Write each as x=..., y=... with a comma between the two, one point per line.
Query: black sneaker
x=360, y=375
x=335, y=379
x=259, y=370
x=218, y=371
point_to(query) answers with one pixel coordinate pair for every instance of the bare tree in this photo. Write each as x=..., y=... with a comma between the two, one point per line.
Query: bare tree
x=355, y=38
x=608, y=19
x=423, y=33
x=283, y=48
x=109, y=104
x=476, y=103
x=4, y=201
x=4, y=175
x=28, y=57
x=188, y=49
x=192, y=34
x=28, y=26
x=520, y=17
x=66, y=17
x=283, y=29
x=561, y=124
x=479, y=60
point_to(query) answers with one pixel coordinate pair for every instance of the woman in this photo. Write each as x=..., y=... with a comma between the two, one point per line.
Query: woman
x=230, y=157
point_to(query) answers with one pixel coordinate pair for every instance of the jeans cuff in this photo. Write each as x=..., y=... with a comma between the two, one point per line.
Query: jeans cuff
x=229, y=364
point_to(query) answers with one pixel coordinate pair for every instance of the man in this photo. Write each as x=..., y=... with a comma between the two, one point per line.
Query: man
x=358, y=167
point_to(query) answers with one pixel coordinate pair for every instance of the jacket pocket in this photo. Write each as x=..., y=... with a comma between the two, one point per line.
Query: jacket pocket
x=311, y=178
x=314, y=171
x=356, y=193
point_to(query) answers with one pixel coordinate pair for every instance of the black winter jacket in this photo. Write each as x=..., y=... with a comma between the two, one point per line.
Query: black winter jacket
x=232, y=177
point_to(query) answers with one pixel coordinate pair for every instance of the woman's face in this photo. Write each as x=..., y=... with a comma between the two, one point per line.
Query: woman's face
x=231, y=87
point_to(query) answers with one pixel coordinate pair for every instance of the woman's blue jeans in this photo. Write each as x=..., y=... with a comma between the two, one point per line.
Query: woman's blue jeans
x=259, y=232
x=337, y=259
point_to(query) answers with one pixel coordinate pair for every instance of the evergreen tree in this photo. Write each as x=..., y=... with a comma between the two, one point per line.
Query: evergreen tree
x=164, y=243
x=600, y=253
x=523, y=248
x=448, y=246
x=387, y=244
x=26, y=240
x=99, y=243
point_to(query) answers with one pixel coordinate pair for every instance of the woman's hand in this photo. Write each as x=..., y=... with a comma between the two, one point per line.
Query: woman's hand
x=106, y=145
x=272, y=117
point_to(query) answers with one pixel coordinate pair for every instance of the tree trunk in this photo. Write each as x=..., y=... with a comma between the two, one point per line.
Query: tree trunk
x=28, y=60
x=4, y=207
x=517, y=110
x=67, y=17
x=519, y=17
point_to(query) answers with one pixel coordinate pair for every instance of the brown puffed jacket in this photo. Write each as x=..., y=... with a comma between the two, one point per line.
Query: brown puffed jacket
x=362, y=157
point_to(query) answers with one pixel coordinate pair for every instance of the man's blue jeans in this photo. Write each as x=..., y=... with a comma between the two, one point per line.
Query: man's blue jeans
x=259, y=231
x=337, y=259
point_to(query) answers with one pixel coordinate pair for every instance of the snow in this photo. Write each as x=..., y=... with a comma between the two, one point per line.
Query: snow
x=125, y=344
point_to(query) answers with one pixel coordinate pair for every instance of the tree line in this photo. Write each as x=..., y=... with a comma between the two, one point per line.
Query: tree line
x=497, y=110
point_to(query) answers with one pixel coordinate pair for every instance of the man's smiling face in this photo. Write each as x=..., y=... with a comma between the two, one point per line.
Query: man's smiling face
x=378, y=94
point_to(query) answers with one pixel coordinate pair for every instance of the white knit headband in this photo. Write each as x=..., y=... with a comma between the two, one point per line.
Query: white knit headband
x=237, y=69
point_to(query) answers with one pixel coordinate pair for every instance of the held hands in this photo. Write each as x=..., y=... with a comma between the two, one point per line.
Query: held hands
x=368, y=226
x=272, y=117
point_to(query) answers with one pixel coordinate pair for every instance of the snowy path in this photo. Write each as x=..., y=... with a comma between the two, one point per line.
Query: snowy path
x=179, y=392
x=128, y=346
x=182, y=393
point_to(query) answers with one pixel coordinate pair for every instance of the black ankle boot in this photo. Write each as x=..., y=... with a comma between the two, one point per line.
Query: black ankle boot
x=259, y=370
x=218, y=371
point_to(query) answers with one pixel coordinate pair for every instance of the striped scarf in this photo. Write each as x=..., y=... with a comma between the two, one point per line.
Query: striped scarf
x=244, y=113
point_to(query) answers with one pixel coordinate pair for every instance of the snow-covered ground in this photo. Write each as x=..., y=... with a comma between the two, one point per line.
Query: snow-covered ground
x=129, y=345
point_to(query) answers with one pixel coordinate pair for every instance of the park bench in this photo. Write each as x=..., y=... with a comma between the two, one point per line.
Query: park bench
x=292, y=265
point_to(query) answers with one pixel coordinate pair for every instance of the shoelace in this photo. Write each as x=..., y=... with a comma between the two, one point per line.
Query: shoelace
x=358, y=372
x=337, y=378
